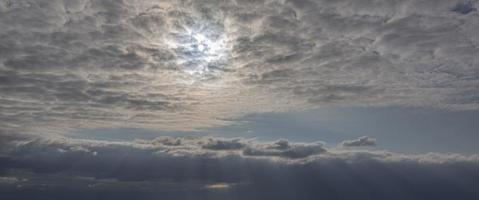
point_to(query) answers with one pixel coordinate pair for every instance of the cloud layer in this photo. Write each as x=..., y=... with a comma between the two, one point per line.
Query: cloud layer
x=184, y=168
x=193, y=64
x=105, y=63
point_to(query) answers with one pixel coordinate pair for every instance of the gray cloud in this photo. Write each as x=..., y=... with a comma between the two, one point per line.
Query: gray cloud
x=360, y=142
x=192, y=64
x=464, y=7
x=181, y=65
x=283, y=148
x=212, y=147
x=215, y=144
x=9, y=180
x=147, y=169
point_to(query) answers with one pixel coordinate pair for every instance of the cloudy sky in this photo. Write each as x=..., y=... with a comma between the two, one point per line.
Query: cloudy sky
x=239, y=99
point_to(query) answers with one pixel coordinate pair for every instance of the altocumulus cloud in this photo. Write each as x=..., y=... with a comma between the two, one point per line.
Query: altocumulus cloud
x=111, y=63
x=181, y=168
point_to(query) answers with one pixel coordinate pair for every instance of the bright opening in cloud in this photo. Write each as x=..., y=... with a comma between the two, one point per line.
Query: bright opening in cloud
x=201, y=51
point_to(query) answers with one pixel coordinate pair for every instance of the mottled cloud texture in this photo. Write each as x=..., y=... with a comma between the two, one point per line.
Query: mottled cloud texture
x=219, y=168
x=193, y=64
x=183, y=65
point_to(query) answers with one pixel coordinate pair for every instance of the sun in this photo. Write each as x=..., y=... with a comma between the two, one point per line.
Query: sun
x=200, y=52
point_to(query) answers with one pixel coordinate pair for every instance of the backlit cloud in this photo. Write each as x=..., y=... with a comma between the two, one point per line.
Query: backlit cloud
x=183, y=65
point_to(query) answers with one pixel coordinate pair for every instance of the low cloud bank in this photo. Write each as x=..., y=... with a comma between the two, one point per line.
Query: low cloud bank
x=189, y=167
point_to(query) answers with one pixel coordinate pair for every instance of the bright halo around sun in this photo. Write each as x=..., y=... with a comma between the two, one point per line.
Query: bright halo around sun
x=201, y=52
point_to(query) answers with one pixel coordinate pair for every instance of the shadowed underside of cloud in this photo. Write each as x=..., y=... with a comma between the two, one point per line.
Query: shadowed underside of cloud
x=106, y=63
x=182, y=168
x=464, y=7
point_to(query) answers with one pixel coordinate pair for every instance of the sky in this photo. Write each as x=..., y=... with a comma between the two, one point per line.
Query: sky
x=239, y=99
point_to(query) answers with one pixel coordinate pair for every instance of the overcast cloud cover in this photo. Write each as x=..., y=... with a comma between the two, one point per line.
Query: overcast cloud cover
x=186, y=65
x=110, y=63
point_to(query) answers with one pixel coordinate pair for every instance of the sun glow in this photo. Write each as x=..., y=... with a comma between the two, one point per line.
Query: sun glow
x=200, y=53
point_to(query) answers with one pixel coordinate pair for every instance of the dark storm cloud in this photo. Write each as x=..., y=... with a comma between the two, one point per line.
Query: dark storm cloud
x=93, y=63
x=86, y=169
x=363, y=141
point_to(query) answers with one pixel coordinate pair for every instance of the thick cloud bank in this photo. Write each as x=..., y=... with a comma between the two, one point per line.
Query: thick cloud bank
x=218, y=168
x=183, y=65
